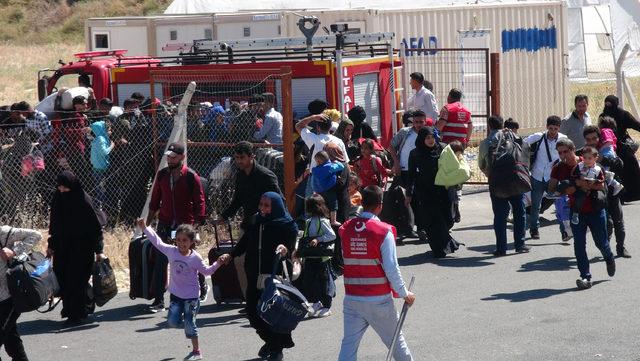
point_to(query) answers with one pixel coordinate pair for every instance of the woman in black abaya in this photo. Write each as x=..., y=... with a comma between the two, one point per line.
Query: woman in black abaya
x=272, y=230
x=432, y=201
x=630, y=173
x=75, y=240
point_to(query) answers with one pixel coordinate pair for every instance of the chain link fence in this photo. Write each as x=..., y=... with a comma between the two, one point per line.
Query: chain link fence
x=464, y=69
x=227, y=107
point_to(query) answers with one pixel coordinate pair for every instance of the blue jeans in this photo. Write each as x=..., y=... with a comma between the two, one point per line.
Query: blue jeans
x=563, y=211
x=382, y=317
x=99, y=177
x=537, y=192
x=597, y=223
x=500, y=208
x=184, y=311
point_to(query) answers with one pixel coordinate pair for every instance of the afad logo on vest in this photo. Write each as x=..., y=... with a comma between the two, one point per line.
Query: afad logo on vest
x=358, y=245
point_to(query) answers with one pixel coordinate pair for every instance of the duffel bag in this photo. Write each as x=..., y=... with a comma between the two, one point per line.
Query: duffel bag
x=281, y=305
x=104, y=282
x=31, y=281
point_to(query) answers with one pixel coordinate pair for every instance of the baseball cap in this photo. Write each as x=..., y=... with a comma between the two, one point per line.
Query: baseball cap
x=175, y=149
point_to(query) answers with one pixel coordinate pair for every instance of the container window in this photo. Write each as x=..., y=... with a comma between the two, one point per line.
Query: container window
x=173, y=35
x=208, y=34
x=279, y=30
x=247, y=32
x=101, y=41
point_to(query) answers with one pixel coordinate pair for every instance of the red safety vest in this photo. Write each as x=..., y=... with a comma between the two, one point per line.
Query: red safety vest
x=363, y=273
x=457, y=123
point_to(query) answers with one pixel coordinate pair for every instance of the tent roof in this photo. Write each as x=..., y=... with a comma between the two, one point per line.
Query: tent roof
x=222, y=6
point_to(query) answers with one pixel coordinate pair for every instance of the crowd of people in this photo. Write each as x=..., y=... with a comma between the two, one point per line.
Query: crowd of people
x=587, y=184
x=109, y=146
x=342, y=172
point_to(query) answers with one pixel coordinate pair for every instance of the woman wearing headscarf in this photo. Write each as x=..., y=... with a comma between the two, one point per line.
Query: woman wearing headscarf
x=75, y=240
x=630, y=173
x=433, y=201
x=342, y=183
x=361, y=129
x=344, y=133
x=272, y=230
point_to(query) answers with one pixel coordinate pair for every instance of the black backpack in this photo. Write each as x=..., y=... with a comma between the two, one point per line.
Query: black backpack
x=508, y=175
x=535, y=147
x=31, y=281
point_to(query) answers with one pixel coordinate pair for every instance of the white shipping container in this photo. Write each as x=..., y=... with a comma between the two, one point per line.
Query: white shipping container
x=146, y=35
x=533, y=81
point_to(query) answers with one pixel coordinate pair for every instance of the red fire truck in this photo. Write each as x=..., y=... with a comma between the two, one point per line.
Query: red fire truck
x=344, y=68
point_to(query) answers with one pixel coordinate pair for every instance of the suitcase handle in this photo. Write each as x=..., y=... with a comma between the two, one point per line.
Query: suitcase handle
x=229, y=229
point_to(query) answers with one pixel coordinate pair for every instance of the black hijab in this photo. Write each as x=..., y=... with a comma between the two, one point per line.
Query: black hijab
x=612, y=110
x=279, y=216
x=73, y=213
x=433, y=152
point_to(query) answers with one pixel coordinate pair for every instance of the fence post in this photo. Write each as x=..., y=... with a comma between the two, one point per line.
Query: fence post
x=287, y=137
x=619, y=75
x=178, y=133
x=495, y=84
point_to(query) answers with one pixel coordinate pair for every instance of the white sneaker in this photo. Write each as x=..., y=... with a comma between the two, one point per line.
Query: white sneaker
x=324, y=312
x=192, y=356
x=617, y=187
x=316, y=307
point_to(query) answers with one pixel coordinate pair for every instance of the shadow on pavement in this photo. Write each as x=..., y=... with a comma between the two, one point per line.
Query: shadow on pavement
x=214, y=307
x=532, y=244
x=479, y=227
x=220, y=320
x=487, y=249
x=549, y=264
x=530, y=295
x=449, y=261
x=36, y=327
x=127, y=313
x=554, y=264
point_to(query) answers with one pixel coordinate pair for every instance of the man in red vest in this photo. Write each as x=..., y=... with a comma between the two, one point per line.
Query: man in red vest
x=371, y=275
x=455, y=120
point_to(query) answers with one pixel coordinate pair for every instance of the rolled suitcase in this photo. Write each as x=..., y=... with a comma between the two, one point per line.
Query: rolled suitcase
x=225, y=283
x=140, y=268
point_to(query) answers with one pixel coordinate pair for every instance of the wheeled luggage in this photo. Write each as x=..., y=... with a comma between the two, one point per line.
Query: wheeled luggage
x=141, y=268
x=225, y=282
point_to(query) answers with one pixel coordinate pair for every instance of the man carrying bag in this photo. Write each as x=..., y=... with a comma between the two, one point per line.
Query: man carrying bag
x=16, y=242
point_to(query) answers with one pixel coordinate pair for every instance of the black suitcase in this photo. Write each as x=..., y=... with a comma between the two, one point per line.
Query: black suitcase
x=141, y=268
x=225, y=283
x=395, y=211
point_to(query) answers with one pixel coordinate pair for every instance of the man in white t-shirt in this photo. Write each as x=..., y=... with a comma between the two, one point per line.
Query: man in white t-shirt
x=423, y=99
x=317, y=141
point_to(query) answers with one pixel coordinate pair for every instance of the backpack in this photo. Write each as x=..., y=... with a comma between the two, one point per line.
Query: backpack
x=31, y=281
x=535, y=147
x=191, y=180
x=508, y=175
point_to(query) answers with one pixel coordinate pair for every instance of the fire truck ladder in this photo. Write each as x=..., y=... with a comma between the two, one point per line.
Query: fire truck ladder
x=338, y=45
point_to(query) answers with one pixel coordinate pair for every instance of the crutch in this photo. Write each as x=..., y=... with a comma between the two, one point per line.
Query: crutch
x=403, y=315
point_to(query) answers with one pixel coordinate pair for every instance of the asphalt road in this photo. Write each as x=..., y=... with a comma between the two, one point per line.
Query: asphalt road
x=470, y=306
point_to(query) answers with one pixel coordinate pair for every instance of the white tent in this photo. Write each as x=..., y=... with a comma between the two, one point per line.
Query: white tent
x=217, y=6
x=589, y=25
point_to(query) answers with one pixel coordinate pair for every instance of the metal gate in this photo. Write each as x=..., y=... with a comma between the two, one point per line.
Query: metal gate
x=445, y=69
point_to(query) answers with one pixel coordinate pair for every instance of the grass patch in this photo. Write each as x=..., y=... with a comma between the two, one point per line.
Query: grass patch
x=49, y=21
x=19, y=68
